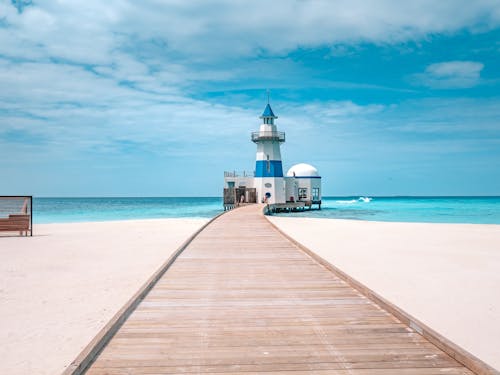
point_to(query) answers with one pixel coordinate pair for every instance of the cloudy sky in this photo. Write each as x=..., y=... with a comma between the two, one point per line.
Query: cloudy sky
x=158, y=98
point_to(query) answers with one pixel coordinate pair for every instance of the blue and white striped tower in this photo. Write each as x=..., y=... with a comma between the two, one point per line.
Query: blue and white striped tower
x=268, y=180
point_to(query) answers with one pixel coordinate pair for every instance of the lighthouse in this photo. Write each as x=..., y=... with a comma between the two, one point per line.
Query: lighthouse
x=298, y=190
x=268, y=181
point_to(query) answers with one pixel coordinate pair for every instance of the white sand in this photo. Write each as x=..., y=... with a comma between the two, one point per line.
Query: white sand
x=445, y=275
x=60, y=287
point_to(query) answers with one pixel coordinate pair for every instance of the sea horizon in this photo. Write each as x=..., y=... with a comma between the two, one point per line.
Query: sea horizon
x=213, y=196
x=417, y=209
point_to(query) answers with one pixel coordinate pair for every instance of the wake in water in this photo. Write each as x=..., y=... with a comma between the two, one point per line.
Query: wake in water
x=353, y=201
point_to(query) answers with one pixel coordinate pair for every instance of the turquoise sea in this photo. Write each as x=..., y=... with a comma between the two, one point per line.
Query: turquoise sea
x=476, y=210
x=65, y=210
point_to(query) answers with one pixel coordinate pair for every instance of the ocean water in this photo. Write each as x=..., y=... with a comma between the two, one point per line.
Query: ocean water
x=473, y=210
x=476, y=210
x=66, y=210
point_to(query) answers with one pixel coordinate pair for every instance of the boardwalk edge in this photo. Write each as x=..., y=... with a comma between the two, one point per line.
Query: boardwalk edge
x=87, y=356
x=453, y=350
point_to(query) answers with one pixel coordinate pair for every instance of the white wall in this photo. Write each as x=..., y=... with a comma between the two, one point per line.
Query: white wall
x=291, y=188
x=276, y=187
x=309, y=184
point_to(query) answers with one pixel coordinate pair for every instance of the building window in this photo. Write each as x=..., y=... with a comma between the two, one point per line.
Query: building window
x=315, y=192
x=302, y=193
x=268, y=165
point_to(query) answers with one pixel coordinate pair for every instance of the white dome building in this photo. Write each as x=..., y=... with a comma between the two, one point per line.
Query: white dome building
x=303, y=183
x=303, y=170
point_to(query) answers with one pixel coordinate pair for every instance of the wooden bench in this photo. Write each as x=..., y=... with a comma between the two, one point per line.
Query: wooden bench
x=16, y=223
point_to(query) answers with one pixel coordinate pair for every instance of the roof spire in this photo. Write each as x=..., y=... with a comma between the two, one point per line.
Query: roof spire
x=268, y=112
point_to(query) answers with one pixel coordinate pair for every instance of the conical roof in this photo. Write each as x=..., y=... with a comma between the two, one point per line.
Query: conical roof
x=268, y=112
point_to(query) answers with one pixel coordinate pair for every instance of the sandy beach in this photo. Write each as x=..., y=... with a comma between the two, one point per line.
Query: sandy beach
x=445, y=275
x=60, y=287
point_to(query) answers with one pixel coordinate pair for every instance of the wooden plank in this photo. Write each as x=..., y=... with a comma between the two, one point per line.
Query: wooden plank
x=19, y=220
x=242, y=298
x=155, y=370
x=15, y=223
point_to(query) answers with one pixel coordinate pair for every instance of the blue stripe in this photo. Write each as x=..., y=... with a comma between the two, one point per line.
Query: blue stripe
x=305, y=176
x=275, y=168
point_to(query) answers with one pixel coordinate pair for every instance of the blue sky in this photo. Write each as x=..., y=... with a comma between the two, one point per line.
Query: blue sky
x=158, y=98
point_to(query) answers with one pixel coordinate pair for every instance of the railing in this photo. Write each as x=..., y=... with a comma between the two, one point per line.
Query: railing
x=268, y=136
x=239, y=174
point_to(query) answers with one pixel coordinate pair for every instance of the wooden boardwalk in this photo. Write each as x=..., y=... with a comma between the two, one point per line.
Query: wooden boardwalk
x=242, y=298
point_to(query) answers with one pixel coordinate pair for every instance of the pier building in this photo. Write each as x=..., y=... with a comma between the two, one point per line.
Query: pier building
x=300, y=188
x=303, y=182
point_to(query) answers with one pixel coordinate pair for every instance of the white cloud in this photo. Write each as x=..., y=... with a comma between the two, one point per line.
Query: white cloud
x=340, y=112
x=408, y=131
x=75, y=111
x=450, y=75
x=90, y=30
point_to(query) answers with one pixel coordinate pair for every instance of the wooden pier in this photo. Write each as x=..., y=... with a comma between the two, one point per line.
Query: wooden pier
x=243, y=298
x=292, y=207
